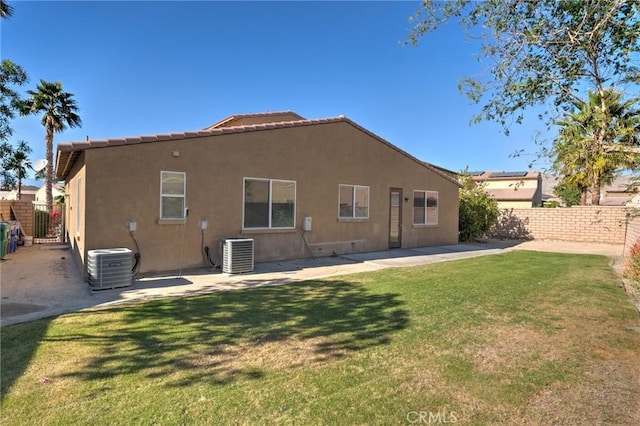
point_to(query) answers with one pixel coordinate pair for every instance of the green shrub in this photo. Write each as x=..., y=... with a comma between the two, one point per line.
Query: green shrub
x=477, y=210
x=569, y=192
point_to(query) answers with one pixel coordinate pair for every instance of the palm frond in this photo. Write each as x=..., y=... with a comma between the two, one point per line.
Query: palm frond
x=6, y=10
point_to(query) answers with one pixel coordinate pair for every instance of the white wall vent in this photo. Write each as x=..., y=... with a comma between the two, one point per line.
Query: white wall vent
x=237, y=255
x=109, y=268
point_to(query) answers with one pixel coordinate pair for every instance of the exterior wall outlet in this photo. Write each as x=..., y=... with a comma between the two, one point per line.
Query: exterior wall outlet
x=132, y=226
x=306, y=223
x=204, y=224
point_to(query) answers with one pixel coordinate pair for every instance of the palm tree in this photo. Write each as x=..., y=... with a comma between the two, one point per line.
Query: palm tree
x=59, y=112
x=7, y=179
x=15, y=164
x=571, y=156
x=19, y=163
x=596, y=140
x=6, y=10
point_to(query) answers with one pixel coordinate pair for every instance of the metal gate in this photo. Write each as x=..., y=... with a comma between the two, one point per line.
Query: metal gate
x=48, y=223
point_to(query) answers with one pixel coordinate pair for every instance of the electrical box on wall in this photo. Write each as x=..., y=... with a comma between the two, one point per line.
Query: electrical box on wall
x=132, y=226
x=306, y=223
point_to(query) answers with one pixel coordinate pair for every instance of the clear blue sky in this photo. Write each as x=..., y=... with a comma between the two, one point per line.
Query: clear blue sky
x=155, y=67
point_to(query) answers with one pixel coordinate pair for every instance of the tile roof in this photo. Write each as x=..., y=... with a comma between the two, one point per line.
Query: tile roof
x=520, y=194
x=256, y=118
x=68, y=153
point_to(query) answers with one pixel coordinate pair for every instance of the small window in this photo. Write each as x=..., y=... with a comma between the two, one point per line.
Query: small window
x=425, y=207
x=353, y=202
x=172, y=195
x=269, y=204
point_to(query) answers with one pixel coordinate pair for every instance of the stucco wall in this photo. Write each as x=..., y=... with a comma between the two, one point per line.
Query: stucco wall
x=123, y=184
x=602, y=224
x=510, y=183
x=75, y=199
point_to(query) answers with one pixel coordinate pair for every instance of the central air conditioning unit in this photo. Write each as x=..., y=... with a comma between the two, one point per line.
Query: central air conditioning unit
x=109, y=268
x=237, y=255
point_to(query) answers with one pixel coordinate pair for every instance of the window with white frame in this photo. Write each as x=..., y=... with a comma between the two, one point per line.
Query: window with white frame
x=353, y=202
x=269, y=204
x=425, y=207
x=173, y=187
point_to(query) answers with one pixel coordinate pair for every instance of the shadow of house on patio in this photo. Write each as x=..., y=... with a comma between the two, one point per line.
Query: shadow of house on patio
x=235, y=335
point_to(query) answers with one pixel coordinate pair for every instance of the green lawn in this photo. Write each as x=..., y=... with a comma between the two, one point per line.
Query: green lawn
x=521, y=337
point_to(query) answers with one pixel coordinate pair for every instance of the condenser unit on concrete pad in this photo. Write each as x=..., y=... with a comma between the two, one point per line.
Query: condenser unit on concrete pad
x=109, y=268
x=237, y=255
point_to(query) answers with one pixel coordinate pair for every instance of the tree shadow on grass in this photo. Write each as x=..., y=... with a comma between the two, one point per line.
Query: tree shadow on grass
x=236, y=335
x=18, y=344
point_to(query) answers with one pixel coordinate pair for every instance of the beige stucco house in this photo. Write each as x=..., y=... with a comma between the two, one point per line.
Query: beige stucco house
x=253, y=176
x=27, y=193
x=620, y=192
x=57, y=190
x=512, y=189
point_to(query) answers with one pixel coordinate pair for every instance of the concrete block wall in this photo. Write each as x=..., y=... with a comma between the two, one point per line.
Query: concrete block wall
x=18, y=210
x=598, y=224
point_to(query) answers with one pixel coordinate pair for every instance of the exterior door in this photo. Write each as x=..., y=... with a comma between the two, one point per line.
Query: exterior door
x=395, y=218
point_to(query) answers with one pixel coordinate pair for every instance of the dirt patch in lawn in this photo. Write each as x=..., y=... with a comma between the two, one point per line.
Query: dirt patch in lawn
x=599, y=354
x=289, y=353
x=272, y=355
x=608, y=394
x=513, y=345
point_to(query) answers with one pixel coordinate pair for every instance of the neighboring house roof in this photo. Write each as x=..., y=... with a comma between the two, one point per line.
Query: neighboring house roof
x=617, y=193
x=508, y=194
x=620, y=185
x=68, y=153
x=258, y=118
x=502, y=175
x=28, y=189
x=24, y=188
x=511, y=191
